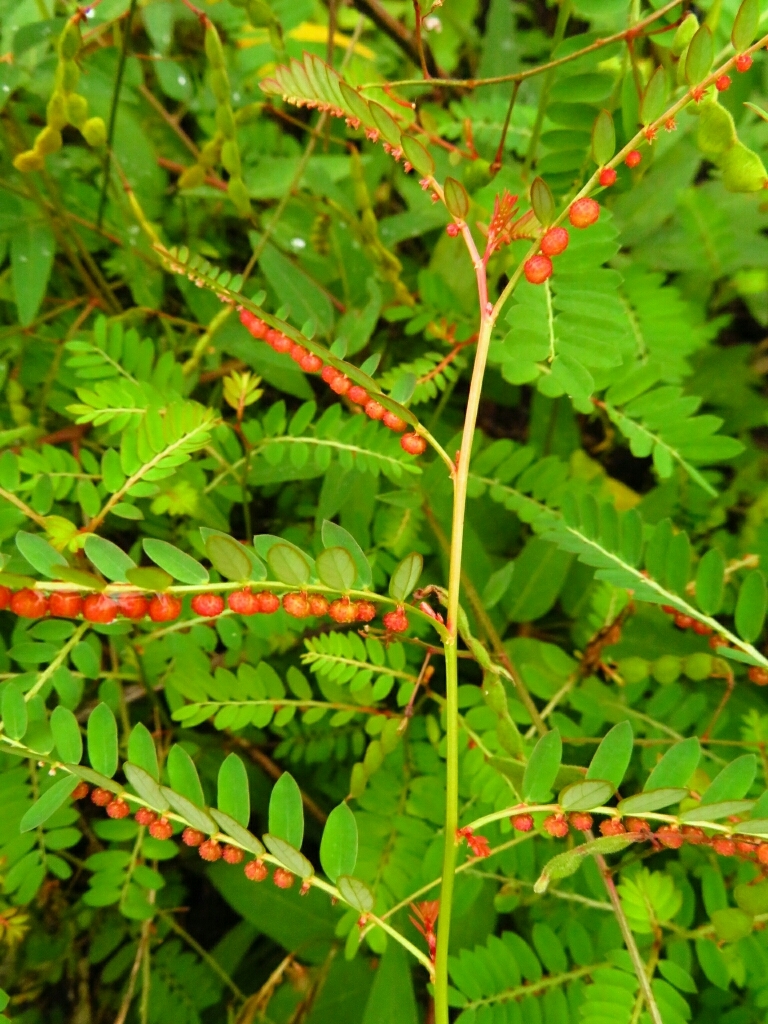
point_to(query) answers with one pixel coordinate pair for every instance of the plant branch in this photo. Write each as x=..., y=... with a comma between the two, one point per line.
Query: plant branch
x=113, y=112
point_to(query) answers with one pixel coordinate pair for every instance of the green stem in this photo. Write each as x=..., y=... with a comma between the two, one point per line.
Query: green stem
x=113, y=112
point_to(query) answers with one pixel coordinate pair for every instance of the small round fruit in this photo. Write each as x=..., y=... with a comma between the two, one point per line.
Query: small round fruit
x=210, y=850
x=318, y=605
x=29, y=604
x=413, y=444
x=279, y=342
x=80, y=791
x=340, y=384
x=358, y=395
x=102, y=797
x=693, y=835
x=365, y=611
x=393, y=422
x=757, y=675
x=607, y=177
x=164, y=608
x=522, y=822
x=232, y=854
x=683, y=621
x=64, y=605
x=375, y=410
x=636, y=825
x=192, y=837
x=722, y=83
x=725, y=847
x=161, y=829
x=612, y=827
x=266, y=602
x=762, y=853
x=744, y=62
x=633, y=158
x=584, y=212
x=329, y=374
x=537, y=269
x=208, y=605
x=668, y=609
x=555, y=241
x=298, y=352
x=118, y=809
x=396, y=621
x=670, y=836
x=311, y=363
x=255, y=327
x=132, y=606
x=701, y=628
x=144, y=816
x=581, y=821
x=244, y=602
x=5, y=597
x=556, y=826
x=99, y=608
x=342, y=610
x=283, y=879
x=256, y=870
x=296, y=605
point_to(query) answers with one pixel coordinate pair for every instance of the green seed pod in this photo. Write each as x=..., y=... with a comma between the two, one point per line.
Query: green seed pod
x=666, y=669
x=77, y=109
x=509, y=737
x=260, y=14
x=214, y=51
x=67, y=75
x=225, y=122
x=238, y=193
x=220, y=85
x=48, y=141
x=494, y=694
x=685, y=33
x=29, y=160
x=56, y=111
x=95, y=131
x=698, y=666
x=717, y=132
x=192, y=177
x=743, y=170
x=211, y=152
x=633, y=670
x=230, y=158
x=70, y=39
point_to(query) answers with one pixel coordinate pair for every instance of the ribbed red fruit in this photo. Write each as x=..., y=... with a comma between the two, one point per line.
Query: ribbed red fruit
x=29, y=604
x=5, y=597
x=133, y=606
x=232, y=854
x=283, y=879
x=318, y=605
x=243, y=602
x=358, y=395
x=555, y=241
x=65, y=605
x=164, y=608
x=556, y=826
x=375, y=410
x=584, y=212
x=413, y=443
x=99, y=608
x=396, y=621
x=209, y=605
x=537, y=269
x=102, y=797
x=144, y=816
x=266, y=602
x=311, y=363
x=633, y=158
x=607, y=177
x=393, y=422
x=341, y=384
x=118, y=809
x=365, y=611
x=161, y=829
x=342, y=610
x=192, y=837
x=256, y=870
x=296, y=605
x=80, y=791
x=522, y=822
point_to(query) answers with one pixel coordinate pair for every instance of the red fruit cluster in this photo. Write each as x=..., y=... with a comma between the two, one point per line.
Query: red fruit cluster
x=144, y=816
x=683, y=621
x=99, y=608
x=478, y=844
x=522, y=822
x=337, y=381
x=556, y=825
x=396, y=621
x=256, y=870
x=757, y=675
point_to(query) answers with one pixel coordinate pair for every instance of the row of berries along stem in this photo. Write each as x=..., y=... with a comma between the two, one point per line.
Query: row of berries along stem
x=755, y=673
x=101, y=608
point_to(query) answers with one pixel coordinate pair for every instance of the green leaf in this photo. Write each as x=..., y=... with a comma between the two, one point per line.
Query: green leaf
x=234, y=829
x=146, y=786
x=338, y=847
x=541, y=770
x=109, y=559
x=289, y=856
x=49, y=803
x=456, y=198
x=183, y=775
x=234, y=797
x=713, y=963
x=718, y=811
x=750, y=606
x=32, y=251
x=66, y=735
x=181, y=566
x=701, y=53
x=585, y=796
x=405, y=577
x=542, y=201
x=336, y=536
x=603, y=138
x=355, y=893
x=654, y=97
x=731, y=924
x=40, y=554
x=15, y=718
x=286, y=813
x=745, y=25
x=94, y=778
x=652, y=800
x=676, y=766
x=612, y=757
x=733, y=782
x=710, y=581
x=191, y=813
x=150, y=578
x=336, y=569
x=142, y=752
x=418, y=156
x=568, y=863
x=228, y=557
x=102, y=740
x=289, y=565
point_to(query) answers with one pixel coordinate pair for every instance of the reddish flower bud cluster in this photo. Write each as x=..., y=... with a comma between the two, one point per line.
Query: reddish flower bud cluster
x=477, y=844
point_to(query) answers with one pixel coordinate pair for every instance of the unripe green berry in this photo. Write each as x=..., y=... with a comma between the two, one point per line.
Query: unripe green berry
x=214, y=51
x=633, y=670
x=225, y=121
x=77, y=109
x=192, y=177
x=230, y=158
x=698, y=666
x=94, y=131
x=56, y=111
x=48, y=141
x=238, y=193
x=69, y=40
x=220, y=85
x=666, y=669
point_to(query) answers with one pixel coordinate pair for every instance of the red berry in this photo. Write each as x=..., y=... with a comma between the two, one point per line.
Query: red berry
x=132, y=606
x=612, y=827
x=164, y=608
x=722, y=83
x=758, y=676
x=64, y=605
x=556, y=826
x=342, y=610
x=283, y=879
x=762, y=853
x=522, y=822
x=99, y=608
x=414, y=444
x=311, y=363
x=452, y=230
x=745, y=849
x=633, y=158
x=266, y=602
x=693, y=835
x=683, y=621
x=210, y=850
x=725, y=847
x=584, y=212
x=581, y=821
x=102, y=797
x=256, y=870
x=296, y=605
x=396, y=621
x=298, y=352
x=668, y=609
x=358, y=395
x=554, y=242
x=144, y=816
x=29, y=604
x=279, y=342
x=341, y=384
x=701, y=628
x=80, y=791
x=670, y=836
x=375, y=410
x=244, y=602
x=744, y=62
x=537, y=269
x=118, y=809
x=393, y=422
x=5, y=597
x=232, y=854
x=318, y=605
x=161, y=829
x=209, y=605
x=329, y=374
x=607, y=177
x=365, y=611
x=256, y=327
x=192, y=837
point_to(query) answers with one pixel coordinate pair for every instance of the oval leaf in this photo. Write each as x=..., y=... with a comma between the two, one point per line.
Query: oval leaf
x=568, y=863
x=181, y=566
x=234, y=797
x=585, y=796
x=146, y=786
x=456, y=198
x=227, y=557
x=66, y=735
x=40, y=554
x=654, y=97
x=542, y=201
x=701, y=53
x=676, y=767
x=733, y=782
x=336, y=569
x=289, y=856
x=418, y=156
x=715, y=812
x=745, y=25
x=338, y=847
x=236, y=831
x=183, y=775
x=603, y=138
x=49, y=803
x=541, y=770
x=355, y=893
x=336, y=536
x=612, y=757
x=286, y=813
x=289, y=565
x=102, y=740
x=653, y=800
x=94, y=778
x=150, y=578
x=15, y=718
x=109, y=559
x=710, y=579
x=141, y=750
x=190, y=812
x=406, y=576
x=750, y=606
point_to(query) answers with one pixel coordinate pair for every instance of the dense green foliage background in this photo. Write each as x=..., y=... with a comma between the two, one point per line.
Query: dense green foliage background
x=622, y=429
